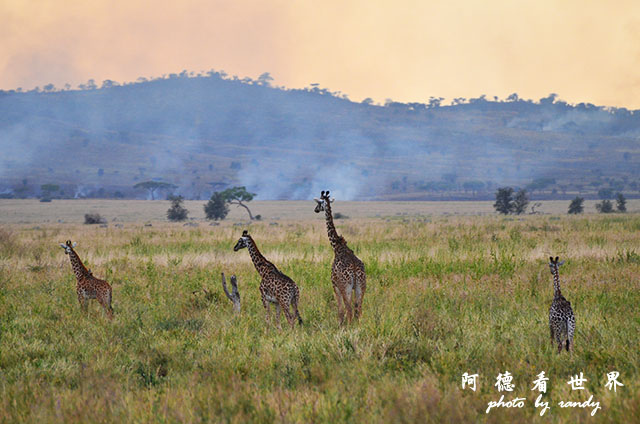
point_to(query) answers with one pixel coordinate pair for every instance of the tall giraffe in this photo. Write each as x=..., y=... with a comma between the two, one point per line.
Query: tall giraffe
x=562, y=322
x=275, y=287
x=347, y=272
x=88, y=286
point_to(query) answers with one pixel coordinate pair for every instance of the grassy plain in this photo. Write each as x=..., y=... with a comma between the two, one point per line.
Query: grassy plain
x=446, y=295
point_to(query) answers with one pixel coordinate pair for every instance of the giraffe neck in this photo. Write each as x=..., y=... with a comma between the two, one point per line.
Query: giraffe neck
x=556, y=283
x=334, y=238
x=78, y=267
x=259, y=261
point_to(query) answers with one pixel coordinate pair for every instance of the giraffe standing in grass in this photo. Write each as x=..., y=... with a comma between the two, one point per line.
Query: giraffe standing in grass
x=562, y=322
x=275, y=287
x=347, y=272
x=88, y=286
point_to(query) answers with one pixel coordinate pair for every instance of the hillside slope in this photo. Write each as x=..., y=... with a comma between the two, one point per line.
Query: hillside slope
x=208, y=132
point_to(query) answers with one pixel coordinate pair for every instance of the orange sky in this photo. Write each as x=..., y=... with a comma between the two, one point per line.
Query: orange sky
x=405, y=50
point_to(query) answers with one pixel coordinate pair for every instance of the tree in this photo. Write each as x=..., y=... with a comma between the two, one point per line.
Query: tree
x=154, y=186
x=238, y=195
x=177, y=212
x=504, y=199
x=520, y=202
x=265, y=79
x=621, y=203
x=605, y=206
x=216, y=208
x=576, y=207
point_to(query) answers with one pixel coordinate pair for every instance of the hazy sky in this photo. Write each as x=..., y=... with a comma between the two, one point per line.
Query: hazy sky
x=405, y=50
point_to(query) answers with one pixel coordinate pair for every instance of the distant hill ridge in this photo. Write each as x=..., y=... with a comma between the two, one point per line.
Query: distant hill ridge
x=204, y=133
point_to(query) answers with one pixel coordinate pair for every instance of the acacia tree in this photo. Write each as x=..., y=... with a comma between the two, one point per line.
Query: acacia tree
x=154, y=186
x=237, y=196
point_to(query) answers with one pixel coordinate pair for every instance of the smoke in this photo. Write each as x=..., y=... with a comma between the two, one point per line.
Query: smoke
x=208, y=133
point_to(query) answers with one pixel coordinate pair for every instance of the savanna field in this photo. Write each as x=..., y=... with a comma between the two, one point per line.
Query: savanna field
x=446, y=294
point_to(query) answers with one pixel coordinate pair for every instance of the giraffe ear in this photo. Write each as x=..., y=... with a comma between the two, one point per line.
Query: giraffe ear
x=74, y=244
x=560, y=263
x=317, y=200
x=332, y=200
x=64, y=246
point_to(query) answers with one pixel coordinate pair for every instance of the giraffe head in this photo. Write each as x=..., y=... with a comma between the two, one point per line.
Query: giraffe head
x=554, y=264
x=242, y=241
x=322, y=201
x=68, y=246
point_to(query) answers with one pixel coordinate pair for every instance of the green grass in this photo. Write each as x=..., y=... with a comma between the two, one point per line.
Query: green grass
x=444, y=297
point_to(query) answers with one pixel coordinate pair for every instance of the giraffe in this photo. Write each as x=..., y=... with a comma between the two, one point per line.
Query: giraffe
x=562, y=322
x=347, y=272
x=88, y=286
x=275, y=287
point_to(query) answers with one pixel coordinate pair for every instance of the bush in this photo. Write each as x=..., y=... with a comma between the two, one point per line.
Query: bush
x=520, y=202
x=576, y=207
x=339, y=215
x=177, y=212
x=604, y=207
x=621, y=203
x=216, y=208
x=94, y=218
x=504, y=199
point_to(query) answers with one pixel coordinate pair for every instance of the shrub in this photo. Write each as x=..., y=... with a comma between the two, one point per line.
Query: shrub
x=604, y=207
x=520, y=202
x=504, y=199
x=576, y=207
x=621, y=203
x=94, y=218
x=177, y=212
x=216, y=208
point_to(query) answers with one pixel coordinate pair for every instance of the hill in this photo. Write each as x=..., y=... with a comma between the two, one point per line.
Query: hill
x=206, y=132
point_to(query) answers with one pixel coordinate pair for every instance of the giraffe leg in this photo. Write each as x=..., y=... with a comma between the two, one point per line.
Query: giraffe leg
x=266, y=305
x=361, y=287
x=346, y=298
x=278, y=309
x=338, y=296
x=288, y=315
x=105, y=302
x=83, y=303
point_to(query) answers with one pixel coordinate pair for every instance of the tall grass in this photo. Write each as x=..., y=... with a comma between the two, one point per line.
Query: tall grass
x=444, y=297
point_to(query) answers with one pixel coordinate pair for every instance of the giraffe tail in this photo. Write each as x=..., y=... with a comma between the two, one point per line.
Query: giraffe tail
x=299, y=318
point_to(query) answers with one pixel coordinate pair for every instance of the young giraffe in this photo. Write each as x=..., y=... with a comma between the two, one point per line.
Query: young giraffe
x=562, y=322
x=275, y=287
x=347, y=272
x=88, y=286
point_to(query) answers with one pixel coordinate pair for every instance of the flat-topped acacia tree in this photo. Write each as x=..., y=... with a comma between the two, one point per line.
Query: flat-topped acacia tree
x=237, y=196
x=154, y=186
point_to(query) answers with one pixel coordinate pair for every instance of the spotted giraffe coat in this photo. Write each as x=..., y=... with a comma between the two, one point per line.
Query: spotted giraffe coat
x=562, y=321
x=275, y=286
x=88, y=286
x=348, y=275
